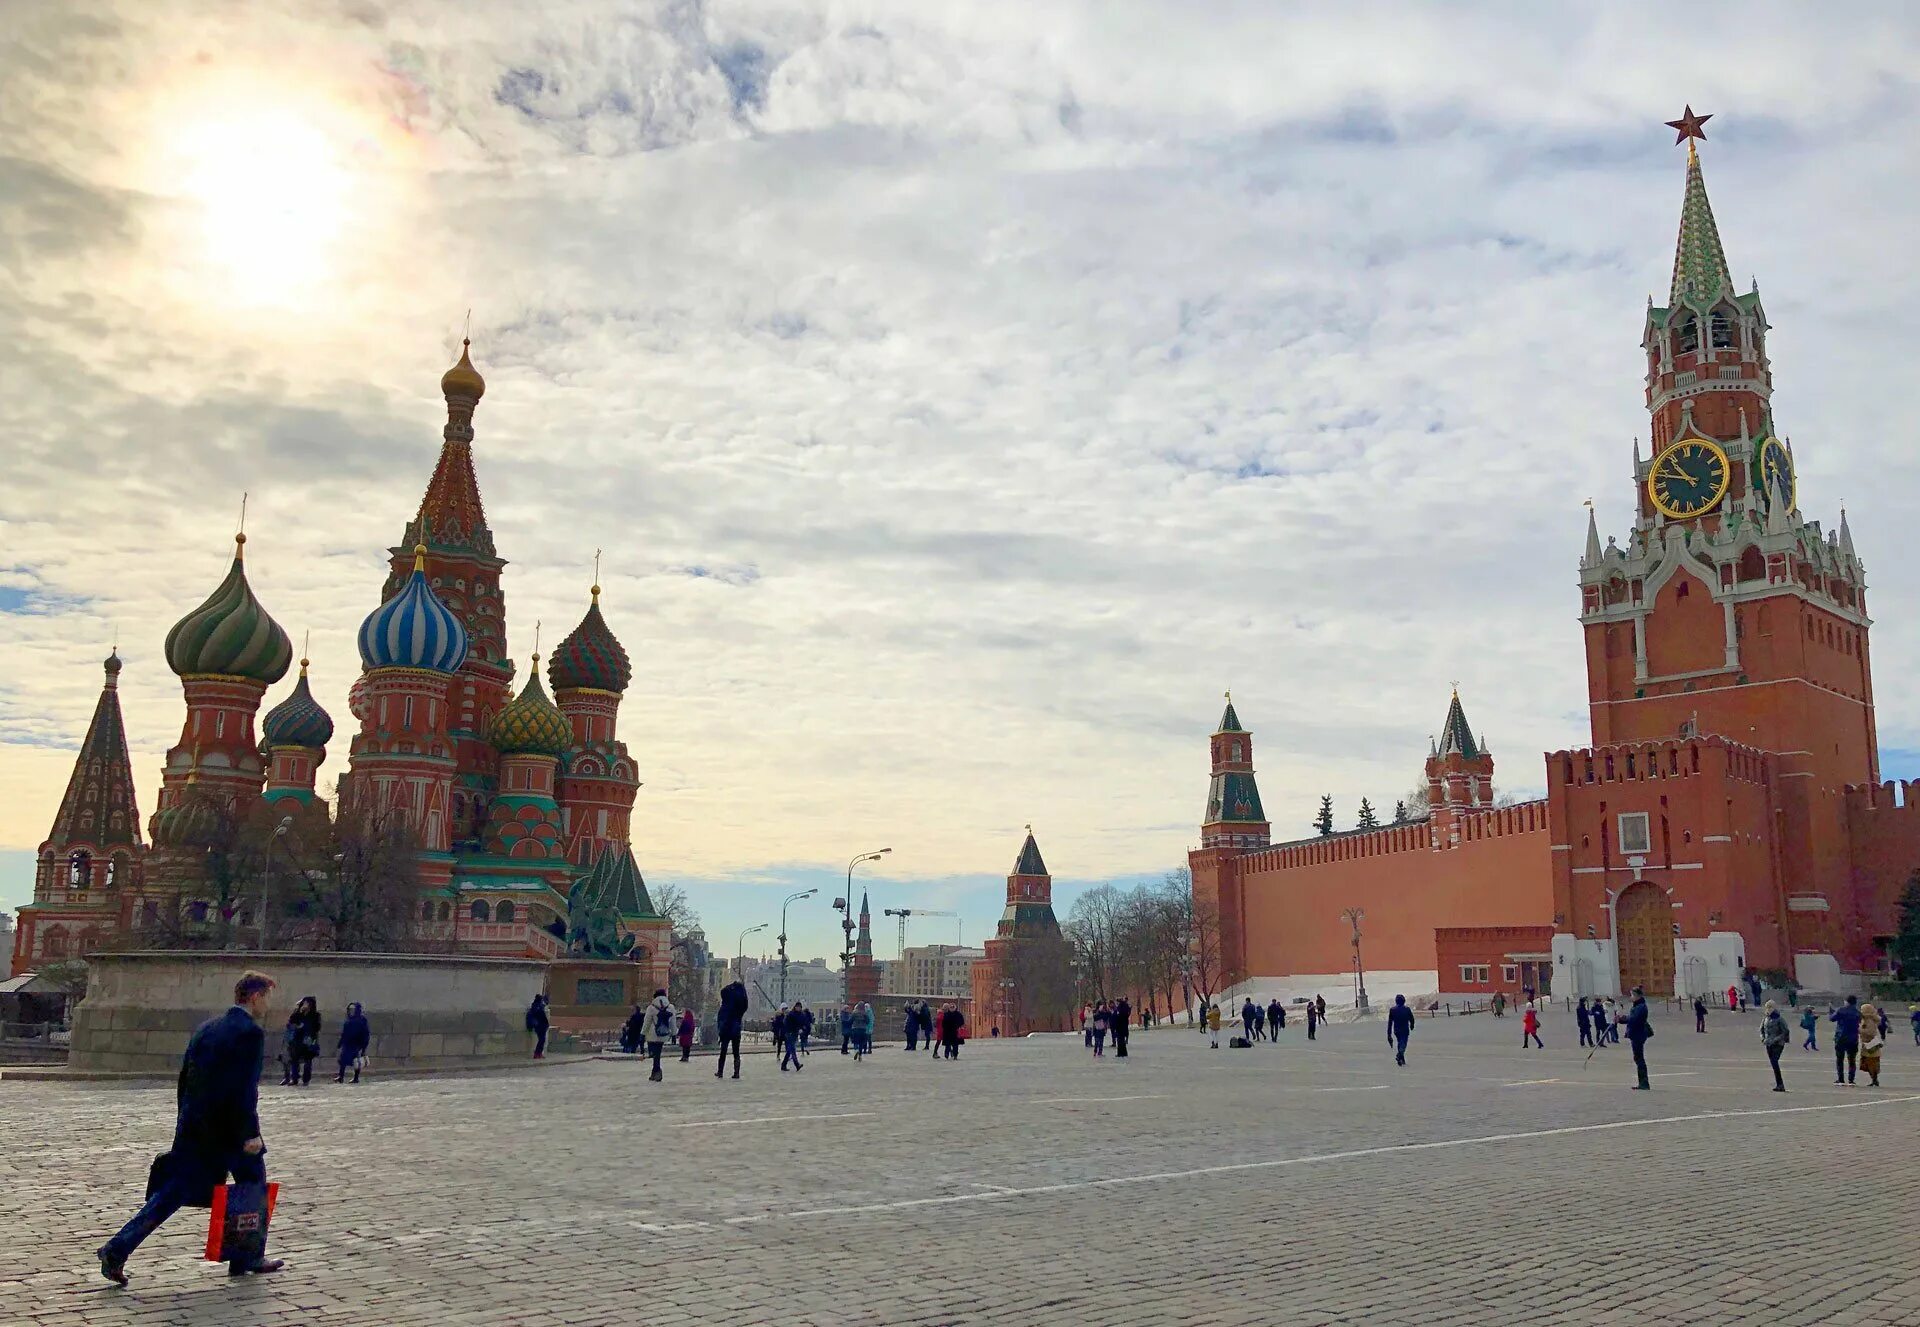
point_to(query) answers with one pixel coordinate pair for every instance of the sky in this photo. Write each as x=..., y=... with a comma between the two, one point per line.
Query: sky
x=963, y=397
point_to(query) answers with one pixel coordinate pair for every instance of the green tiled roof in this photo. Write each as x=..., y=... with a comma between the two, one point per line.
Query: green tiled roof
x=1700, y=275
x=1029, y=921
x=615, y=882
x=1029, y=862
x=1230, y=721
x=1234, y=797
x=1456, y=736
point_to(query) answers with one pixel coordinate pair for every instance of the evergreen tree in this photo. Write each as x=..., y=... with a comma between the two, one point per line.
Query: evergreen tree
x=1399, y=813
x=1906, y=940
x=1324, y=821
x=1368, y=820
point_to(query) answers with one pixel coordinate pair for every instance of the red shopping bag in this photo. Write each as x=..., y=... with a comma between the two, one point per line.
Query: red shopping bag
x=237, y=1226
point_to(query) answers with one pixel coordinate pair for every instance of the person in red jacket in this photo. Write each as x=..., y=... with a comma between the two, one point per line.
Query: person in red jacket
x=1530, y=1029
x=686, y=1035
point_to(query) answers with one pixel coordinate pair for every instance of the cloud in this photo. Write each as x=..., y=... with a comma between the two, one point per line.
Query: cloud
x=963, y=396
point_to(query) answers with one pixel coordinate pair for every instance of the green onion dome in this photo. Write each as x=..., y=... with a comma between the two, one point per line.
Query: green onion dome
x=298, y=720
x=590, y=656
x=191, y=822
x=531, y=725
x=230, y=634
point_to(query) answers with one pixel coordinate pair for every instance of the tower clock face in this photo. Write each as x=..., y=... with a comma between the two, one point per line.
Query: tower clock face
x=1689, y=478
x=1778, y=486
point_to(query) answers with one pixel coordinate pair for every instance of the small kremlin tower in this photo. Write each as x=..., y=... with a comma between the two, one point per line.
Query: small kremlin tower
x=1025, y=981
x=1234, y=817
x=1459, y=776
x=863, y=974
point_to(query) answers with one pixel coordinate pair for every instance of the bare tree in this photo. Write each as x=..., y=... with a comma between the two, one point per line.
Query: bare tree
x=686, y=983
x=1039, y=987
x=353, y=886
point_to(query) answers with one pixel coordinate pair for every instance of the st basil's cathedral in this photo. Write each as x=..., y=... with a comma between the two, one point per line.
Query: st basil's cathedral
x=521, y=804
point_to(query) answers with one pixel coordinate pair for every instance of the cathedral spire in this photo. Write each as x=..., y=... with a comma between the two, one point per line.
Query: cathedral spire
x=451, y=518
x=98, y=811
x=1700, y=275
x=863, y=944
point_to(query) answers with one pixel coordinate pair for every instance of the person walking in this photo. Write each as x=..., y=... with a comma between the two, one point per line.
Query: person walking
x=1846, y=1039
x=216, y=1129
x=1810, y=1021
x=1320, y=1001
x=806, y=1027
x=1313, y=1019
x=633, y=1032
x=687, y=1025
x=1246, y=1019
x=1699, y=1014
x=537, y=1023
x=355, y=1036
x=1774, y=1035
x=1122, y=1014
x=1639, y=1033
x=1614, y=1020
x=1276, y=1019
x=1259, y=1021
x=1873, y=1039
x=1583, y=1019
x=1733, y=999
x=863, y=1028
x=789, y=1037
x=1399, y=1028
x=951, y=1021
x=1100, y=1030
x=1213, y=1024
x=731, y=1018
x=305, y=1024
x=660, y=1022
x=777, y=1033
x=912, y=1028
x=289, y=1038
x=1913, y=1016
x=1530, y=1029
x=846, y=1028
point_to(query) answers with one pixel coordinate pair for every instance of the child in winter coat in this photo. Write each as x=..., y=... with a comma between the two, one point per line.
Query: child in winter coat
x=1810, y=1023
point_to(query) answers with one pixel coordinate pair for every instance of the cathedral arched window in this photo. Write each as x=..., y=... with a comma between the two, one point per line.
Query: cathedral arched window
x=479, y=911
x=505, y=913
x=1753, y=566
x=446, y=912
x=1689, y=340
x=1235, y=751
x=113, y=871
x=426, y=911
x=79, y=869
x=1722, y=331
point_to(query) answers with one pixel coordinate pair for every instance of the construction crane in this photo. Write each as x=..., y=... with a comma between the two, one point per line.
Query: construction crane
x=904, y=913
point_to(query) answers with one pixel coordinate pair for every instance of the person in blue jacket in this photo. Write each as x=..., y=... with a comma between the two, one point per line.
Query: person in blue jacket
x=1639, y=1033
x=216, y=1129
x=1810, y=1021
x=1399, y=1028
x=355, y=1036
x=1846, y=1039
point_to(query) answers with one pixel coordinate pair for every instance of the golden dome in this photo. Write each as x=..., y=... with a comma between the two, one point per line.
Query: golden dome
x=463, y=379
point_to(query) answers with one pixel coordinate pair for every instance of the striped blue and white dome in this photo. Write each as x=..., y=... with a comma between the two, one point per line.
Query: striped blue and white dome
x=414, y=629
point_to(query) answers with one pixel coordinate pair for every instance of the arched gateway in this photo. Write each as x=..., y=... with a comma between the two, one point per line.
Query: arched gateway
x=1643, y=934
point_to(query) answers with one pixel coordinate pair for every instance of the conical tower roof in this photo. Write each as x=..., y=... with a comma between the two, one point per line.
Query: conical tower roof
x=615, y=881
x=1455, y=735
x=99, y=809
x=1229, y=719
x=1700, y=275
x=1029, y=861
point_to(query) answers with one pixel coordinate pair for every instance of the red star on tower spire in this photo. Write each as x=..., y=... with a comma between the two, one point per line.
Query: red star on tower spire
x=1688, y=126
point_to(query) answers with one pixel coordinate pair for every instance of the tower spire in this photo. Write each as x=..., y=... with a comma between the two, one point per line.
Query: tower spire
x=1700, y=273
x=98, y=811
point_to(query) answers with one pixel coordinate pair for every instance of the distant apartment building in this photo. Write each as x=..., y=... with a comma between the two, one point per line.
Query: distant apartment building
x=933, y=972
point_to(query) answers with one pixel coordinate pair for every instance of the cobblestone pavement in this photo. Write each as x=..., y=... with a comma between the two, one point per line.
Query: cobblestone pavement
x=1028, y=1184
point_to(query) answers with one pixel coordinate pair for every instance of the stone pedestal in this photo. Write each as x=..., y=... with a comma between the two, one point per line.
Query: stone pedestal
x=426, y=1011
x=595, y=994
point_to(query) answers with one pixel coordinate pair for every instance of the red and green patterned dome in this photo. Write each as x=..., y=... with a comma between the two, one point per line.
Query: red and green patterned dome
x=532, y=725
x=230, y=635
x=590, y=656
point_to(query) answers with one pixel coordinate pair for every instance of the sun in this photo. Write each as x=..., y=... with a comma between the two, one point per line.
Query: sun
x=269, y=195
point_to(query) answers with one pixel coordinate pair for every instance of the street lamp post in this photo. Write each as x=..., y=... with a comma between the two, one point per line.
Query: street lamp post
x=280, y=831
x=740, y=950
x=805, y=893
x=1354, y=916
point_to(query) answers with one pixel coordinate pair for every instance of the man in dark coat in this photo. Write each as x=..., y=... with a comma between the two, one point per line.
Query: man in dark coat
x=1122, y=1012
x=731, y=1018
x=538, y=1023
x=913, y=1028
x=1846, y=1039
x=1639, y=1033
x=1276, y=1019
x=216, y=1130
x=951, y=1021
x=1399, y=1028
x=1584, y=1020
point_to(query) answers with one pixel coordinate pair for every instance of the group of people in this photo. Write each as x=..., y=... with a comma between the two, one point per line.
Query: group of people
x=653, y=1025
x=1108, y=1018
x=300, y=1043
x=942, y=1030
x=1262, y=1022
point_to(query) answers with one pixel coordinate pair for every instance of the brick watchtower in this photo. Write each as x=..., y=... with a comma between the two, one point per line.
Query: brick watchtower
x=1025, y=981
x=464, y=573
x=1459, y=776
x=863, y=974
x=403, y=761
x=1727, y=612
x=1234, y=817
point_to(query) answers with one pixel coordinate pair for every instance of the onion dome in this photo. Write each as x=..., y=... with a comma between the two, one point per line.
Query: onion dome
x=590, y=656
x=530, y=724
x=191, y=822
x=414, y=629
x=463, y=379
x=230, y=634
x=298, y=720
